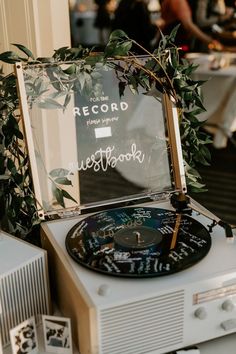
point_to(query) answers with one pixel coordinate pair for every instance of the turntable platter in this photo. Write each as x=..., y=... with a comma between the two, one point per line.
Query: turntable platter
x=138, y=242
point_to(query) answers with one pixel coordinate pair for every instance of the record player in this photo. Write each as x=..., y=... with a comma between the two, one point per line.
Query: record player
x=137, y=265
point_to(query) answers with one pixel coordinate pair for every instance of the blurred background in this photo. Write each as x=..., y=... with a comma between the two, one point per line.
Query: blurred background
x=202, y=21
x=91, y=20
x=207, y=37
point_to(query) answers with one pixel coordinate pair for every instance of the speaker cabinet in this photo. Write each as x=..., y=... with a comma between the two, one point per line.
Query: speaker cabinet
x=24, y=287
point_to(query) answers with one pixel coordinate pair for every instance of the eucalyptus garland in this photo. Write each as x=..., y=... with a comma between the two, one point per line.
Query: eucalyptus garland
x=164, y=71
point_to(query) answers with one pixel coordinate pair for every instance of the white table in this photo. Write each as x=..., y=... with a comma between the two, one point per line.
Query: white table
x=219, y=94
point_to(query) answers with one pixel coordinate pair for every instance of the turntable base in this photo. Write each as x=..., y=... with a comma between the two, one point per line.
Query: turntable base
x=114, y=315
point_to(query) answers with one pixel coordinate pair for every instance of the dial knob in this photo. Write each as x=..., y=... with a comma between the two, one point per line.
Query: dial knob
x=227, y=305
x=200, y=313
x=104, y=290
x=229, y=325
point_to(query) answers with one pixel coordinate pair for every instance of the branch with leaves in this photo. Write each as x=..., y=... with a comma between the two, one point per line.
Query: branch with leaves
x=164, y=71
x=170, y=74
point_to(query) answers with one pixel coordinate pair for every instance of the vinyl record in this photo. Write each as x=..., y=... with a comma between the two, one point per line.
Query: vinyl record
x=138, y=242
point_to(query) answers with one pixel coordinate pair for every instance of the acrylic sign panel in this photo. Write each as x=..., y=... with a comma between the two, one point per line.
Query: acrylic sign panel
x=90, y=144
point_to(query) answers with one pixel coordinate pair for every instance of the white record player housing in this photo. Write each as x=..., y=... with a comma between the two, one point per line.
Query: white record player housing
x=113, y=315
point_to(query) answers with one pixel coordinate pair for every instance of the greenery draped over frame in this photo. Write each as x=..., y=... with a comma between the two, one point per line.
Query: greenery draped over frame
x=165, y=71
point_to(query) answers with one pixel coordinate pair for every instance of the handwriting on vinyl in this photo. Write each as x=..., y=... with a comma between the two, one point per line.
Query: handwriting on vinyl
x=93, y=241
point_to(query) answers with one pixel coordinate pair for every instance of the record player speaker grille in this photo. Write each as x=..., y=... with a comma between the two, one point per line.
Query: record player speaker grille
x=23, y=293
x=143, y=326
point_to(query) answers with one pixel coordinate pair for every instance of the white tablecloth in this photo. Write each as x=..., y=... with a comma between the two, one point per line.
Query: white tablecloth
x=219, y=95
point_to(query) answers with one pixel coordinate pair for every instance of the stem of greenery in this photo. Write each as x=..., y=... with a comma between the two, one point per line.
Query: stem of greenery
x=164, y=70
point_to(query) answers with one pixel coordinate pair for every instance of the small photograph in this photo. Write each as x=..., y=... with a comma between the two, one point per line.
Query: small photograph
x=24, y=338
x=57, y=334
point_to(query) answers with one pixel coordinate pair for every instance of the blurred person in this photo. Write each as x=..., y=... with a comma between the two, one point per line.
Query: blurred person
x=103, y=19
x=154, y=6
x=174, y=12
x=210, y=12
x=212, y=16
x=133, y=17
x=77, y=7
x=231, y=3
x=85, y=5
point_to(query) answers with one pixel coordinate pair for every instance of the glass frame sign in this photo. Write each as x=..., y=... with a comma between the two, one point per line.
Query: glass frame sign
x=91, y=143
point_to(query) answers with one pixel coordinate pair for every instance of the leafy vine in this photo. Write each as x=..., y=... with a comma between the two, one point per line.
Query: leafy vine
x=164, y=71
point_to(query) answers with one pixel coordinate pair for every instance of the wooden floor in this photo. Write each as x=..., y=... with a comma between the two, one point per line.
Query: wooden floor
x=220, y=179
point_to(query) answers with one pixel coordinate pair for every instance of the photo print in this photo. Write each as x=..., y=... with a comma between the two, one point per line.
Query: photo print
x=24, y=337
x=57, y=334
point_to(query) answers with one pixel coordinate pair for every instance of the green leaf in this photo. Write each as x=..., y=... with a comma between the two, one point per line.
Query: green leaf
x=110, y=49
x=58, y=194
x=68, y=196
x=122, y=86
x=11, y=130
x=94, y=60
x=10, y=57
x=88, y=85
x=63, y=180
x=198, y=102
x=199, y=157
x=49, y=103
x=174, y=33
x=82, y=79
x=205, y=152
x=59, y=172
x=18, y=134
x=11, y=166
x=151, y=64
x=70, y=70
x=124, y=48
x=24, y=50
x=18, y=178
x=75, y=53
x=118, y=34
x=2, y=165
x=114, y=49
x=29, y=200
x=162, y=43
x=195, y=187
x=39, y=86
x=195, y=112
x=67, y=101
x=133, y=83
x=61, y=52
x=96, y=75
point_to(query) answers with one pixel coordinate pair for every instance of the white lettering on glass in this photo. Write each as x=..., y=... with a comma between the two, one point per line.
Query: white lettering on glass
x=96, y=109
x=103, y=158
